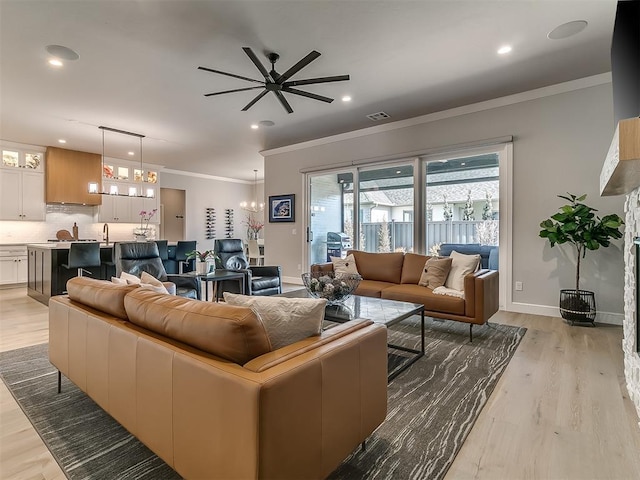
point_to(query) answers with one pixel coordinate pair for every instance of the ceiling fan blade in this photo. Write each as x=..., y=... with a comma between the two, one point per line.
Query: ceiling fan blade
x=252, y=102
x=231, y=91
x=295, y=91
x=310, y=81
x=298, y=66
x=257, y=63
x=283, y=101
x=230, y=74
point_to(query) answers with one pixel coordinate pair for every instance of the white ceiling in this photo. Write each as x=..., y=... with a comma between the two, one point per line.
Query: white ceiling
x=138, y=62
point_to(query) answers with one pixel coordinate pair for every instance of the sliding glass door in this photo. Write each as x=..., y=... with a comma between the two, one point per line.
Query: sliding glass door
x=330, y=225
x=386, y=209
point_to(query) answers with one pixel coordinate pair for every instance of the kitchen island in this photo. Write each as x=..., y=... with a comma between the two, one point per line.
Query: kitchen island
x=47, y=277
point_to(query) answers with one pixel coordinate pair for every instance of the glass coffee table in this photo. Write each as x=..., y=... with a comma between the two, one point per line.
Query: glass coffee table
x=378, y=310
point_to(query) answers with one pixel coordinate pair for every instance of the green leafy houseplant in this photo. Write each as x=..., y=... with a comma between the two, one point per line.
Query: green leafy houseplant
x=577, y=224
x=202, y=256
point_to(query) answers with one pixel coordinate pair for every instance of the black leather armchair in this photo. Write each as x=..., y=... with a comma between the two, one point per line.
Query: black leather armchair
x=138, y=257
x=259, y=280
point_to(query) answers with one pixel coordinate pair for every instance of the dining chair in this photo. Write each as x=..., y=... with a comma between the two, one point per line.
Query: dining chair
x=254, y=252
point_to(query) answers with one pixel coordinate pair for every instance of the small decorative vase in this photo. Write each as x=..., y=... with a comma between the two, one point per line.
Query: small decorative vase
x=202, y=267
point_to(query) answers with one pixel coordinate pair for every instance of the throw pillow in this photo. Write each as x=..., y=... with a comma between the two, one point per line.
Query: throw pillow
x=118, y=281
x=435, y=272
x=461, y=266
x=130, y=279
x=148, y=279
x=156, y=288
x=345, y=265
x=286, y=320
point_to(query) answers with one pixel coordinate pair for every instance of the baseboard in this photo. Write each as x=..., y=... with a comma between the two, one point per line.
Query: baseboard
x=294, y=280
x=549, y=311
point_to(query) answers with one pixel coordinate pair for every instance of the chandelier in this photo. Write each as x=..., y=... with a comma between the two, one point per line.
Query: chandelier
x=254, y=206
x=94, y=187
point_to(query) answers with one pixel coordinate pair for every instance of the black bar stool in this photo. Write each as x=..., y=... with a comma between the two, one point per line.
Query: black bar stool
x=182, y=249
x=83, y=255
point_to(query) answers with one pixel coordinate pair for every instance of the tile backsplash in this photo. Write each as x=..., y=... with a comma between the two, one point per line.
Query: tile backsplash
x=62, y=217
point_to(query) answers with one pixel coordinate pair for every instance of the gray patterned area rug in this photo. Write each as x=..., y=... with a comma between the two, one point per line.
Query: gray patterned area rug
x=432, y=407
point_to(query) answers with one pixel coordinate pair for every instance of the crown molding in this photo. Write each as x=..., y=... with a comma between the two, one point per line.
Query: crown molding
x=549, y=91
x=210, y=177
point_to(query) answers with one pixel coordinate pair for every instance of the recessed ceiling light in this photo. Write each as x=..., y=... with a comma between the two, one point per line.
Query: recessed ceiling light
x=65, y=53
x=131, y=153
x=567, y=29
x=346, y=98
x=55, y=63
x=255, y=126
x=504, y=49
x=62, y=140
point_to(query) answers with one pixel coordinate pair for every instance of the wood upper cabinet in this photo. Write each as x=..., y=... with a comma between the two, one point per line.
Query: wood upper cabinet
x=68, y=174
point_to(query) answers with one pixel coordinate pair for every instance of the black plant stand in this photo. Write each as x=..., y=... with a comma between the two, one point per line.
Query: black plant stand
x=578, y=306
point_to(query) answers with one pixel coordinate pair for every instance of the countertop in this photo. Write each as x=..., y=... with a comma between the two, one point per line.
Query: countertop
x=63, y=245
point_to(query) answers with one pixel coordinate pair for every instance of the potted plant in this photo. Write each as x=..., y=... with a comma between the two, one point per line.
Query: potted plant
x=577, y=224
x=203, y=260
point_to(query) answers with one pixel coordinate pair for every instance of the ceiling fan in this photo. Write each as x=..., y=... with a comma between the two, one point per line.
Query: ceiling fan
x=277, y=83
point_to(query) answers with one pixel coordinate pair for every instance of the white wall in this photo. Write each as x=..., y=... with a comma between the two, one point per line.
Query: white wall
x=560, y=142
x=202, y=193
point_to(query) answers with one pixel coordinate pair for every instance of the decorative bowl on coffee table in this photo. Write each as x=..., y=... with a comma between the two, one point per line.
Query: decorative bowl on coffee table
x=335, y=288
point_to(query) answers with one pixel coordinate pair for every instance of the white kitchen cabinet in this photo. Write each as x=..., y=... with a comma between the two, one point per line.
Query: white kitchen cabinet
x=13, y=265
x=21, y=195
x=116, y=208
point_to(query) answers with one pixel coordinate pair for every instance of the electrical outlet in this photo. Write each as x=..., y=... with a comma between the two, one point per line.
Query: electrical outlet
x=519, y=286
x=299, y=267
x=294, y=231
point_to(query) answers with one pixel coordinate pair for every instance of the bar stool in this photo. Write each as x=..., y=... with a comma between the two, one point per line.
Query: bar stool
x=83, y=255
x=183, y=248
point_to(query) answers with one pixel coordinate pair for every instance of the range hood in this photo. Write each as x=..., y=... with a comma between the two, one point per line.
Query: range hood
x=621, y=170
x=67, y=174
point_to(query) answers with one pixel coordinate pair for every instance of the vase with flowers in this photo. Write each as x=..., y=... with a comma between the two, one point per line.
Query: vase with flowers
x=205, y=260
x=254, y=227
x=142, y=232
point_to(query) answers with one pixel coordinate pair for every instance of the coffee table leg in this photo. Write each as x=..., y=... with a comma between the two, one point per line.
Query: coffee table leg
x=215, y=291
x=422, y=330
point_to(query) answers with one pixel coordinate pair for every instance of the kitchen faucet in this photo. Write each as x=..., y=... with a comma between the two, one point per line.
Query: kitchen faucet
x=105, y=233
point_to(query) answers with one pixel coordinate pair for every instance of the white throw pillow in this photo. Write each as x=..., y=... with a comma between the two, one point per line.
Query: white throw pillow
x=286, y=320
x=345, y=265
x=461, y=266
x=156, y=288
x=130, y=279
x=118, y=281
x=147, y=278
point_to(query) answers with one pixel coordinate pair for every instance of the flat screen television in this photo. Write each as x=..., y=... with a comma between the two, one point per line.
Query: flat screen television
x=625, y=61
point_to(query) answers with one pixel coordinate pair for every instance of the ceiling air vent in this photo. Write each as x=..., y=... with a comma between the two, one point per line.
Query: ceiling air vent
x=378, y=116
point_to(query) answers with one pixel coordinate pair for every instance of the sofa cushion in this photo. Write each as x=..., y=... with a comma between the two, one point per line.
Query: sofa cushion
x=345, y=266
x=381, y=267
x=412, y=267
x=229, y=332
x=435, y=272
x=287, y=320
x=100, y=294
x=371, y=288
x=431, y=301
x=461, y=266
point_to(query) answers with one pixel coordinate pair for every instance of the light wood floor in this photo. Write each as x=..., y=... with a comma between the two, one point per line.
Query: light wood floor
x=560, y=411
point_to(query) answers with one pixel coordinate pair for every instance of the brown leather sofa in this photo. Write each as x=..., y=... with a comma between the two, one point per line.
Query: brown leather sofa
x=395, y=276
x=198, y=384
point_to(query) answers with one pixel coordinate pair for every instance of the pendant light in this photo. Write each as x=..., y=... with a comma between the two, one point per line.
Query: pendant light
x=133, y=192
x=254, y=206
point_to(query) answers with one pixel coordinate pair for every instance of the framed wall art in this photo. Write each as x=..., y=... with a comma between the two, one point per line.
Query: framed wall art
x=282, y=208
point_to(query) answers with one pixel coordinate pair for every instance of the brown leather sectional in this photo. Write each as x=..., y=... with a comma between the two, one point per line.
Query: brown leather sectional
x=198, y=383
x=395, y=276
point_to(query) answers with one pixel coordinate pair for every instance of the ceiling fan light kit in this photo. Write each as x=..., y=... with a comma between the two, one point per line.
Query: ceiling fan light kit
x=277, y=83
